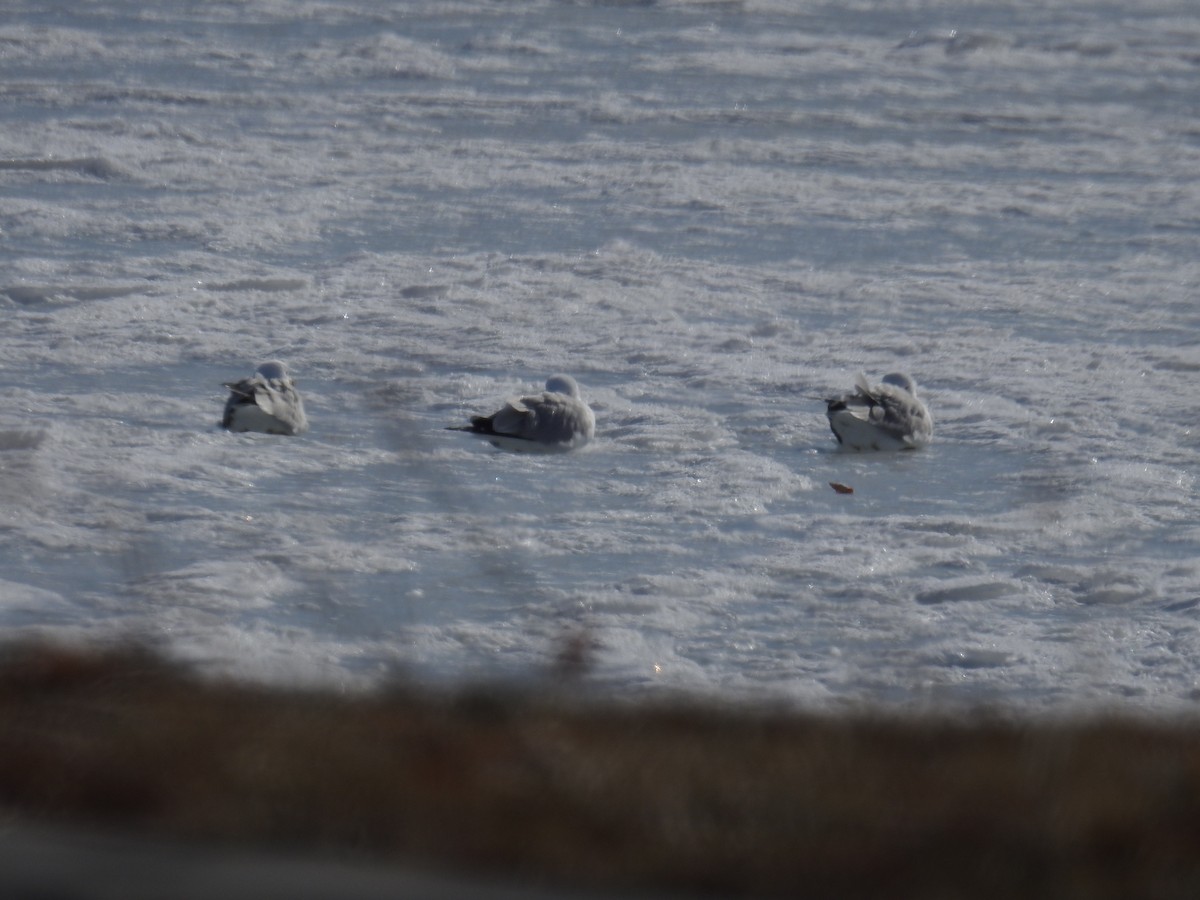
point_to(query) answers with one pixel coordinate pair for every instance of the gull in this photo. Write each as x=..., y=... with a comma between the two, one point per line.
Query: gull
x=554, y=421
x=885, y=417
x=267, y=401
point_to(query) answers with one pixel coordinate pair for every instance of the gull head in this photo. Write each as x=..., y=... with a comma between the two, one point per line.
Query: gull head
x=563, y=384
x=902, y=381
x=273, y=370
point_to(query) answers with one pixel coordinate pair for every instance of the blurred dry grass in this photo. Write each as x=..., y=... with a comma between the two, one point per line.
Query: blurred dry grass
x=683, y=797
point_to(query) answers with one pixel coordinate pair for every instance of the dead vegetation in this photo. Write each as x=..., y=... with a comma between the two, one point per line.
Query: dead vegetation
x=680, y=797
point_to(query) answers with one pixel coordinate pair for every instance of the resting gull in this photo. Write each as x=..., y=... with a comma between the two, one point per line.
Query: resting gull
x=267, y=401
x=554, y=421
x=885, y=417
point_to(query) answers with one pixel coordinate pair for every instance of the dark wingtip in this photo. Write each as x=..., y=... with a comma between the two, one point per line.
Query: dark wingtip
x=482, y=425
x=479, y=425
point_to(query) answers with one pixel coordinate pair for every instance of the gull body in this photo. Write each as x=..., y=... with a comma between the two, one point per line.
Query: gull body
x=888, y=416
x=553, y=421
x=267, y=401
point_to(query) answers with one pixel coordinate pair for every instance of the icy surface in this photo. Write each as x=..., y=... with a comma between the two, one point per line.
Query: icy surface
x=712, y=215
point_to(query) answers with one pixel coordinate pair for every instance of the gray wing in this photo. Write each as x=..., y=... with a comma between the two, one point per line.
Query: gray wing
x=899, y=414
x=515, y=419
x=282, y=400
x=548, y=418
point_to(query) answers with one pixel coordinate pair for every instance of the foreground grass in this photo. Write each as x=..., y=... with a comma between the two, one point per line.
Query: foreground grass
x=686, y=798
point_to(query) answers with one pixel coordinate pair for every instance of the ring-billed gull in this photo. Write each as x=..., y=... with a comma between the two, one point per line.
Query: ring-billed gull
x=267, y=401
x=888, y=416
x=554, y=421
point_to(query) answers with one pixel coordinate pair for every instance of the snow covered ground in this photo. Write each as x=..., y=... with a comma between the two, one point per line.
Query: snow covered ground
x=712, y=215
